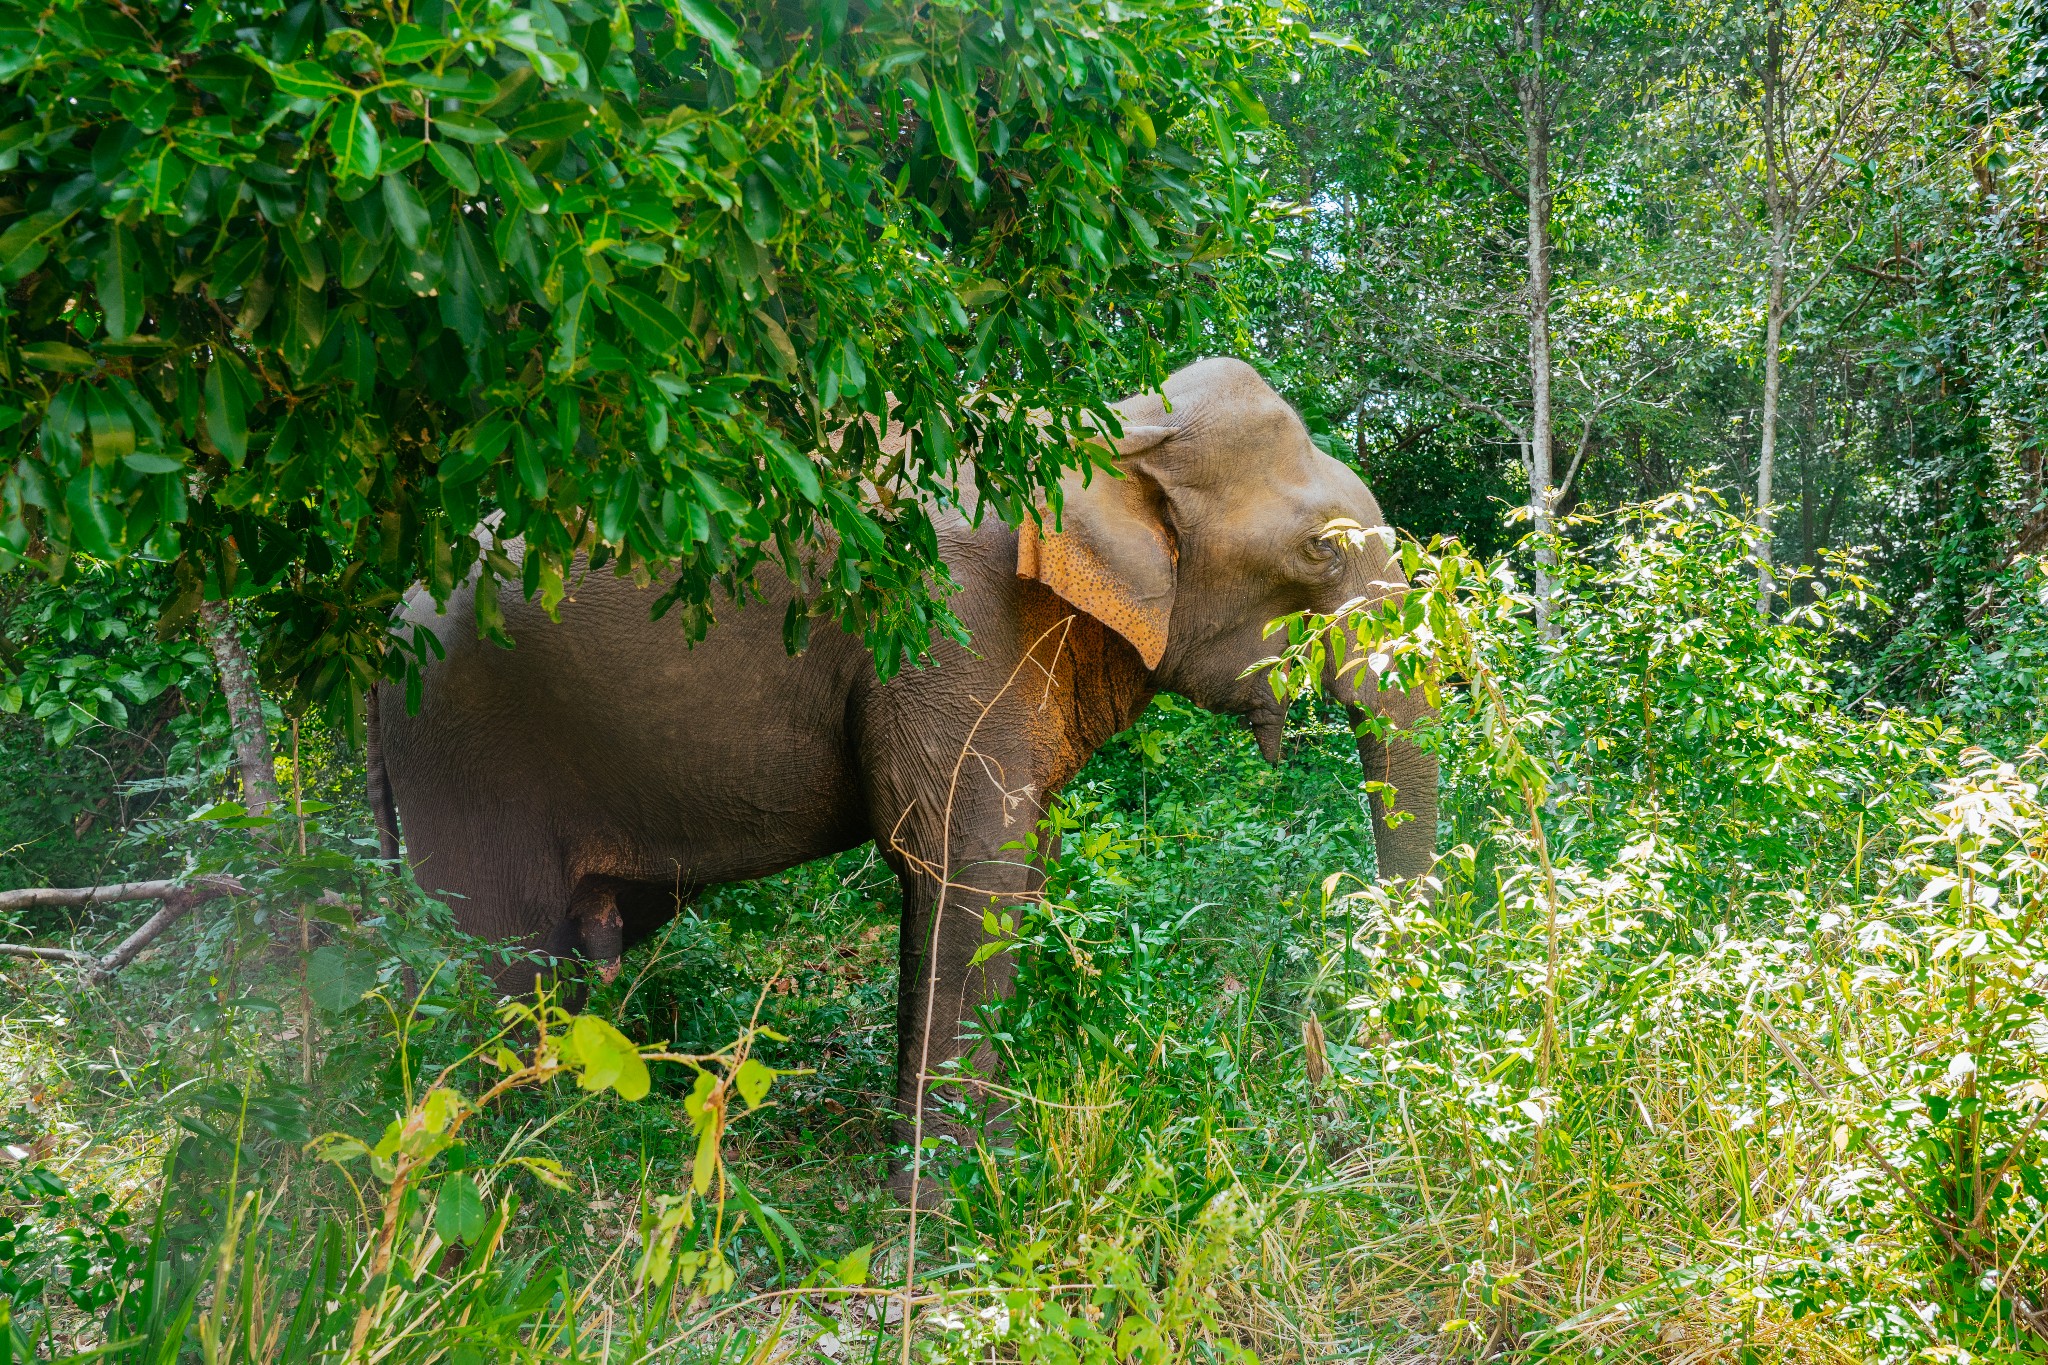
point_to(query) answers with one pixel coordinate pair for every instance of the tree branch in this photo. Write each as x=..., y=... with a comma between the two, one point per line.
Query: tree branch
x=38, y=897
x=178, y=899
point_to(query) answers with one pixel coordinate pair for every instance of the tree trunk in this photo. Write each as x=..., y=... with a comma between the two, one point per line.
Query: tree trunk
x=1767, y=449
x=1774, y=310
x=1536, y=124
x=245, y=707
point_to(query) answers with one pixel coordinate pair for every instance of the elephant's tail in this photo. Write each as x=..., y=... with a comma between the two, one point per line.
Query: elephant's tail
x=383, y=808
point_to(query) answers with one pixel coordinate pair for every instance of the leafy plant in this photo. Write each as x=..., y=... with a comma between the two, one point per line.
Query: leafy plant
x=296, y=295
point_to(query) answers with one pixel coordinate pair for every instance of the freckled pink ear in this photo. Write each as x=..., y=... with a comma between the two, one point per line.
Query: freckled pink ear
x=1112, y=553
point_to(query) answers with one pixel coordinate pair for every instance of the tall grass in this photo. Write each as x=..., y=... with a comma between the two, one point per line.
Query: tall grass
x=1718, y=1036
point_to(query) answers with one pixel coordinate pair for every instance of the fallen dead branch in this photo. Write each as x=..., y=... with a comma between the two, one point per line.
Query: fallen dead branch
x=37, y=897
x=178, y=899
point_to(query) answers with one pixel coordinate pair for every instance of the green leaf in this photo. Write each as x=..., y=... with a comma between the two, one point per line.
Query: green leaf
x=458, y=83
x=609, y=1059
x=305, y=80
x=22, y=248
x=753, y=1080
x=464, y=127
x=553, y=121
x=337, y=976
x=761, y=209
x=227, y=408
x=353, y=136
x=851, y=1269
x=408, y=212
x=455, y=166
x=797, y=470
x=58, y=356
x=113, y=430
x=459, y=1212
x=653, y=325
x=706, y=1160
x=955, y=131
x=527, y=462
x=413, y=43
x=360, y=257
x=120, y=284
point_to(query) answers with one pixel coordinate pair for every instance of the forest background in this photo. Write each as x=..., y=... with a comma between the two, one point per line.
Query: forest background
x=1698, y=348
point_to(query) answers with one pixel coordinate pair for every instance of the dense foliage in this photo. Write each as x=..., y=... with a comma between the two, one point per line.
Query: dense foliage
x=298, y=295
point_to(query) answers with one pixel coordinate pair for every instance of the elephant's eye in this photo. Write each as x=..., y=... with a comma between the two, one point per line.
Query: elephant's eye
x=1324, y=556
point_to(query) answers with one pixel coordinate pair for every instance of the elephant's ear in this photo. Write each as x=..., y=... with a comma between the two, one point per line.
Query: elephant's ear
x=1112, y=552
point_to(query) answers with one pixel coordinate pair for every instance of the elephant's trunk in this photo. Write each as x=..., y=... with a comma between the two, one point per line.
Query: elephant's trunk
x=1406, y=845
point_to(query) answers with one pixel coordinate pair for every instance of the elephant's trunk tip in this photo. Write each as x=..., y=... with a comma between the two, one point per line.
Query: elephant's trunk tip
x=1267, y=727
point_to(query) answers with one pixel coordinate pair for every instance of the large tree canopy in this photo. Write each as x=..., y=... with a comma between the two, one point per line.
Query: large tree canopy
x=300, y=295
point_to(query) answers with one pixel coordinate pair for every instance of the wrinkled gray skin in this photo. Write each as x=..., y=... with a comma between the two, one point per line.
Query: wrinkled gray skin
x=571, y=793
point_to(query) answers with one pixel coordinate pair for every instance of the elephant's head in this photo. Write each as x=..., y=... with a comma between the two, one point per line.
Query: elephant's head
x=1228, y=517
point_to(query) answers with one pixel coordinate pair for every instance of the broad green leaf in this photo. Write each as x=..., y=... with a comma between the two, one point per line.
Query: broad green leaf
x=339, y=975
x=954, y=130
x=459, y=1211
x=227, y=409
x=120, y=284
x=360, y=257
x=455, y=166
x=553, y=121
x=113, y=430
x=851, y=1269
x=655, y=326
x=609, y=1060
x=528, y=464
x=408, y=212
x=353, y=136
x=60, y=356
x=753, y=1080
x=440, y=1109
x=705, y=1162
x=459, y=82
x=306, y=80
x=413, y=43
x=466, y=127
x=797, y=470
x=761, y=210
x=22, y=246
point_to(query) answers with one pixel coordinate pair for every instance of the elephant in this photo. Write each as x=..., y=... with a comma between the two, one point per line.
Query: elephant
x=571, y=793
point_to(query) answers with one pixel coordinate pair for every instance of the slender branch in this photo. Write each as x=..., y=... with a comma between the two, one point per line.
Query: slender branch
x=47, y=954
x=38, y=897
x=178, y=899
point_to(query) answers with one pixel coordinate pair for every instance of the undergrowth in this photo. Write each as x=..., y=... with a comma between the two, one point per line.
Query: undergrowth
x=1718, y=1036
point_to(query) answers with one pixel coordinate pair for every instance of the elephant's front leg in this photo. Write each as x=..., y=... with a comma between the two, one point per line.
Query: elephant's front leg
x=942, y=987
